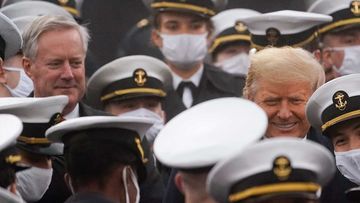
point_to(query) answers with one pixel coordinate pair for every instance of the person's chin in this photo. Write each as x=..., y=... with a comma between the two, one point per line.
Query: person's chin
x=288, y=130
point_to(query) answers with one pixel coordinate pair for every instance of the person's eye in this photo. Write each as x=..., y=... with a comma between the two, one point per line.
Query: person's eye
x=340, y=141
x=271, y=102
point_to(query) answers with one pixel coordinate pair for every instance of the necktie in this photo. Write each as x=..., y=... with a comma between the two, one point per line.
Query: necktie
x=186, y=91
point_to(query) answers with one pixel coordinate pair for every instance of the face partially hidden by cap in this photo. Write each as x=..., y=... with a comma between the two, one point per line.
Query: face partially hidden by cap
x=345, y=135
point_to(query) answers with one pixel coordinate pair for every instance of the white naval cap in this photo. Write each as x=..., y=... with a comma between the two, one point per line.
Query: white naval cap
x=10, y=128
x=282, y=28
x=33, y=109
x=128, y=77
x=136, y=124
x=204, y=8
x=22, y=22
x=126, y=132
x=10, y=38
x=208, y=132
x=34, y=8
x=334, y=102
x=345, y=13
x=228, y=26
x=7, y=197
x=277, y=166
x=37, y=114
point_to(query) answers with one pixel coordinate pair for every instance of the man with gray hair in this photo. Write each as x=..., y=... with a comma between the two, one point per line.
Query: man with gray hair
x=54, y=58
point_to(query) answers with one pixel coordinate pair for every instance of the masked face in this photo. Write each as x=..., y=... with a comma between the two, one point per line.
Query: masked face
x=184, y=50
x=182, y=38
x=32, y=183
x=145, y=113
x=351, y=61
x=25, y=85
x=348, y=164
x=238, y=64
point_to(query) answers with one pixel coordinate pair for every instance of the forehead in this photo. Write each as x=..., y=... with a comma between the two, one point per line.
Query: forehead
x=287, y=88
x=345, y=127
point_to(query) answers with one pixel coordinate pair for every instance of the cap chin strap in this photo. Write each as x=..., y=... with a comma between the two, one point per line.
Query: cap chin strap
x=133, y=180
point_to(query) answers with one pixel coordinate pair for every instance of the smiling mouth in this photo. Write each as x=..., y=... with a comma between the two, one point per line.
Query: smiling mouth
x=285, y=126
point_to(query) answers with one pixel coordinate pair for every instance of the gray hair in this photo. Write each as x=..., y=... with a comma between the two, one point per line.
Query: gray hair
x=44, y=24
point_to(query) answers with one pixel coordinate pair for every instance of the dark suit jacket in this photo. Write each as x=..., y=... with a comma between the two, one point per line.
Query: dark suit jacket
x=214, y=84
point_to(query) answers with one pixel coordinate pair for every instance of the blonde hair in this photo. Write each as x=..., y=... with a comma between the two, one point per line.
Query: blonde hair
x=281, y=65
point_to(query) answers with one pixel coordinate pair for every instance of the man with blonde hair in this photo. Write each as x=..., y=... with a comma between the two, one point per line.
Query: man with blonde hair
x=281, y=81
x=282, y=86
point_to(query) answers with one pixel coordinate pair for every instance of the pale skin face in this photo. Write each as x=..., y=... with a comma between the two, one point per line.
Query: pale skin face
x=284, y=104
x=58, y=68
x=230, y=51
x=334, y=58
x=151, y=103
x=346, y=136
x=174, y=23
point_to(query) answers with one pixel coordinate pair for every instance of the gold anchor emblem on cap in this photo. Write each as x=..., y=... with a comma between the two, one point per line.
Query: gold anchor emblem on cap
x=339, y=98
x=140, y=77
x=282, y=168
x=63, y=2
x=240, y=27
x=355, y=7
x=11, y=159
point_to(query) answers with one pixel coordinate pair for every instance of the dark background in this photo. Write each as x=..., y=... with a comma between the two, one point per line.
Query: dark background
x=109, y=20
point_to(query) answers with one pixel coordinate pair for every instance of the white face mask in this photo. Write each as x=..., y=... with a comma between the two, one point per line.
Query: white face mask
x=145, y=113
x=351, y=62
x=25, y=85
x=133, y=180
x=238, y=64
x=184, y=50
x=32, y=183
x=348, y=164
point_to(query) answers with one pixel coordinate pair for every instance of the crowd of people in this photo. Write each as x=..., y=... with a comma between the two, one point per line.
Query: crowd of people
x=225, y=106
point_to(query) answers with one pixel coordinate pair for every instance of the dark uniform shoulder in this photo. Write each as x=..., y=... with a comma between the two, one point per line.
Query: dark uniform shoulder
x=224, y=81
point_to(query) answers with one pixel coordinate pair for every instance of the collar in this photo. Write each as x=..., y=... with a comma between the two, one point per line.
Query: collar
x=195, y=78
x=74, y=113
x=303, y=138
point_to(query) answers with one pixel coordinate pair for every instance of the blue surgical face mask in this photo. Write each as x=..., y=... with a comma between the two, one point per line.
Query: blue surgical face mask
x=25, y=85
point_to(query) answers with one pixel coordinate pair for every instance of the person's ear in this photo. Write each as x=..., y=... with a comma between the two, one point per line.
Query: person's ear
x=179, y=182
x=12, y=188
x=156, y=38
x=318, y=55
x=26, y=63
x=327, y=60
x=68, y=182
x=2, y=72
